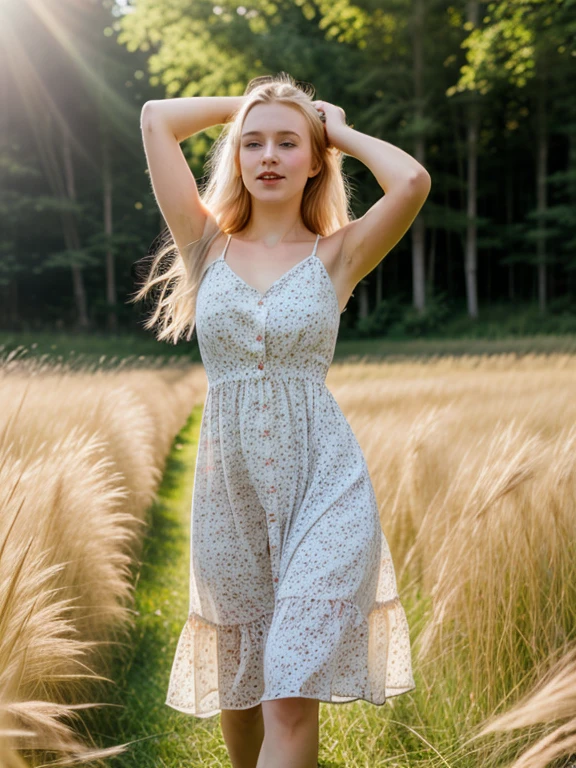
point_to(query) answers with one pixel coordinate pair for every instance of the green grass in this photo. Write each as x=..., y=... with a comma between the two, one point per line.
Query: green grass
x=161, y=736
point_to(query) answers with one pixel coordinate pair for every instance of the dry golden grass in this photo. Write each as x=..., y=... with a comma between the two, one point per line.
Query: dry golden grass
x=553, y=700
x=474, y=465
x=81, y=456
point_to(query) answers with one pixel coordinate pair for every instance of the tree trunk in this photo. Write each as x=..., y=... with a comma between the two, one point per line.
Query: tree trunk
x=71, y=237
x=9, y=315
x=107, y=186
x=471, y=248
x=418, y=232
x=363, y=301
x=541, y=189
x=379, y=282
x=509, y=223
x=571, y=274
x=431, y=264
x=107, y=198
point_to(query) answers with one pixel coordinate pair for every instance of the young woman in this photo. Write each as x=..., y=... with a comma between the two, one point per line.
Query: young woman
x=293, y=596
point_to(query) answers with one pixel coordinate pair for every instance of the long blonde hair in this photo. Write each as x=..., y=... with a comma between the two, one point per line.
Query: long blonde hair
x=325, y=206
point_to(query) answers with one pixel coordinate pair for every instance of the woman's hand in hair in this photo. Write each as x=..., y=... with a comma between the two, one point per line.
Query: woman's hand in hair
x=333, y=118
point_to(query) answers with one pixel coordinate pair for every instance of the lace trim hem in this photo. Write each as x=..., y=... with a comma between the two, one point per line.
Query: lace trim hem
x=220, y=666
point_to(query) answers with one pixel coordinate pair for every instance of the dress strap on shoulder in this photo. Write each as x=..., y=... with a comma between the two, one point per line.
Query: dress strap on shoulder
x=223, y=256
x=316, y=245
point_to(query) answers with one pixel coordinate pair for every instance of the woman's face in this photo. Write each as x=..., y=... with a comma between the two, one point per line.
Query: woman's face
x=275, y=137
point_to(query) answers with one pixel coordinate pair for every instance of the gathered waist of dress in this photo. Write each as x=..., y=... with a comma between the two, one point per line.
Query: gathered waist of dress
x=316, y=377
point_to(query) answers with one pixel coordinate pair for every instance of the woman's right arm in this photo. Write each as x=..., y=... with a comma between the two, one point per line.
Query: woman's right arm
x=165, y=123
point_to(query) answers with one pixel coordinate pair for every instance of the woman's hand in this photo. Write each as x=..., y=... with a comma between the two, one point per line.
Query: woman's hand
x=333, y=117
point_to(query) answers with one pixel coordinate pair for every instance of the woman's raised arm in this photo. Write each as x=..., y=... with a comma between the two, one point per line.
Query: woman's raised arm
x=165, y=123
x=190, y=114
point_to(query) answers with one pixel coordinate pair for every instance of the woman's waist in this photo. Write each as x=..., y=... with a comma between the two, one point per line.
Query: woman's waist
x=270, y=375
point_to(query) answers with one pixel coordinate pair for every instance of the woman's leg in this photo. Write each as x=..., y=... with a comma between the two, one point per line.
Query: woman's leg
x=291, y=733
x=243, y=732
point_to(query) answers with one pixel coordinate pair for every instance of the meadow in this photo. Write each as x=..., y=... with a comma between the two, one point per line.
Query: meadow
x=81, y=457
x=472, y=457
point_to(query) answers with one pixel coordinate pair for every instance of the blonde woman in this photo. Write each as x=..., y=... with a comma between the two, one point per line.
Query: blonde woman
x=293, y=596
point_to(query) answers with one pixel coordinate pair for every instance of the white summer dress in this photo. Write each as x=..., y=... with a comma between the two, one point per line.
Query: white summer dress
x=292, y=586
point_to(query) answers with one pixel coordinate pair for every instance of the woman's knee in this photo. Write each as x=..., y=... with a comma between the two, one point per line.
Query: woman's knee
x=244, y=717
x=290, y=713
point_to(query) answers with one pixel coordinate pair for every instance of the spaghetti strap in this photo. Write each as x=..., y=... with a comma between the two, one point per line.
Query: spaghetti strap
x=316, y=245
x=223, y=256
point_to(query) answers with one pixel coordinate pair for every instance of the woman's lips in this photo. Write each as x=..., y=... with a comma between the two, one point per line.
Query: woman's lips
x=270, y=182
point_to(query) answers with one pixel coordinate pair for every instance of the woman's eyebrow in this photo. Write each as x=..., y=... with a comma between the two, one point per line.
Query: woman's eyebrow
x=278, y=133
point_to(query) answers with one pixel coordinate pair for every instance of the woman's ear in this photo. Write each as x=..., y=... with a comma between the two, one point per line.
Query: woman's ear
x=315, y=171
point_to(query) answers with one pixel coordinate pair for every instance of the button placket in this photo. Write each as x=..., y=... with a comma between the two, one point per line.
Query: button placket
x=260, y=337
x=267, y=444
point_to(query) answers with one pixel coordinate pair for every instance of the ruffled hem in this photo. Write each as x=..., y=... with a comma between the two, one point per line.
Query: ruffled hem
x=330, y=652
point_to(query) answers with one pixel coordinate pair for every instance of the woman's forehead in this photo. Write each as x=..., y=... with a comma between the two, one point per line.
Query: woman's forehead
x=273, y=119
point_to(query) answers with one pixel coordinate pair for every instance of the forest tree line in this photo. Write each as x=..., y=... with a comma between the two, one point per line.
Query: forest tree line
x=481, y=94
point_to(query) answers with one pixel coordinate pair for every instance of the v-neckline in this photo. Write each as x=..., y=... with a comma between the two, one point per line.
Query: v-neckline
x=278, y=280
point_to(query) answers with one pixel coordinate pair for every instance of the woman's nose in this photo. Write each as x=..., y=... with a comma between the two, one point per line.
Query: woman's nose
x=270, y=150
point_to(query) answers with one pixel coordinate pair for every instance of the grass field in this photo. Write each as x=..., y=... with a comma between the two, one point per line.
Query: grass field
x=355, y=734
x=473, y=462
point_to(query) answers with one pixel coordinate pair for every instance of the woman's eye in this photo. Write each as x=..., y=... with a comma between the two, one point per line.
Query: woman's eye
x=253, y=143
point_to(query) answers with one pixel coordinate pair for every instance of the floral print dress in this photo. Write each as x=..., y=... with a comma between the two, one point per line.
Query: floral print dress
x=292, y=585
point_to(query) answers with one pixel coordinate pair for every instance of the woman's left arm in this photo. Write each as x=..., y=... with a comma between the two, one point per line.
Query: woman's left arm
x=405, y=182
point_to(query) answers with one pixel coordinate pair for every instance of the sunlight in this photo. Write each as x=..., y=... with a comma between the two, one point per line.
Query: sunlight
x=30, y=73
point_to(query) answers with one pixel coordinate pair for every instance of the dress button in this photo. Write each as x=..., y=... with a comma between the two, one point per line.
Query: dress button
x=260, y=303
x=258, y=338
x=276, y=579
x=260, y=365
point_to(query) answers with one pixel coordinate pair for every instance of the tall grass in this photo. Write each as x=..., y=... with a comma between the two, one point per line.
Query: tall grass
x=474, y=465
x=81, y=457
x=473, y=462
